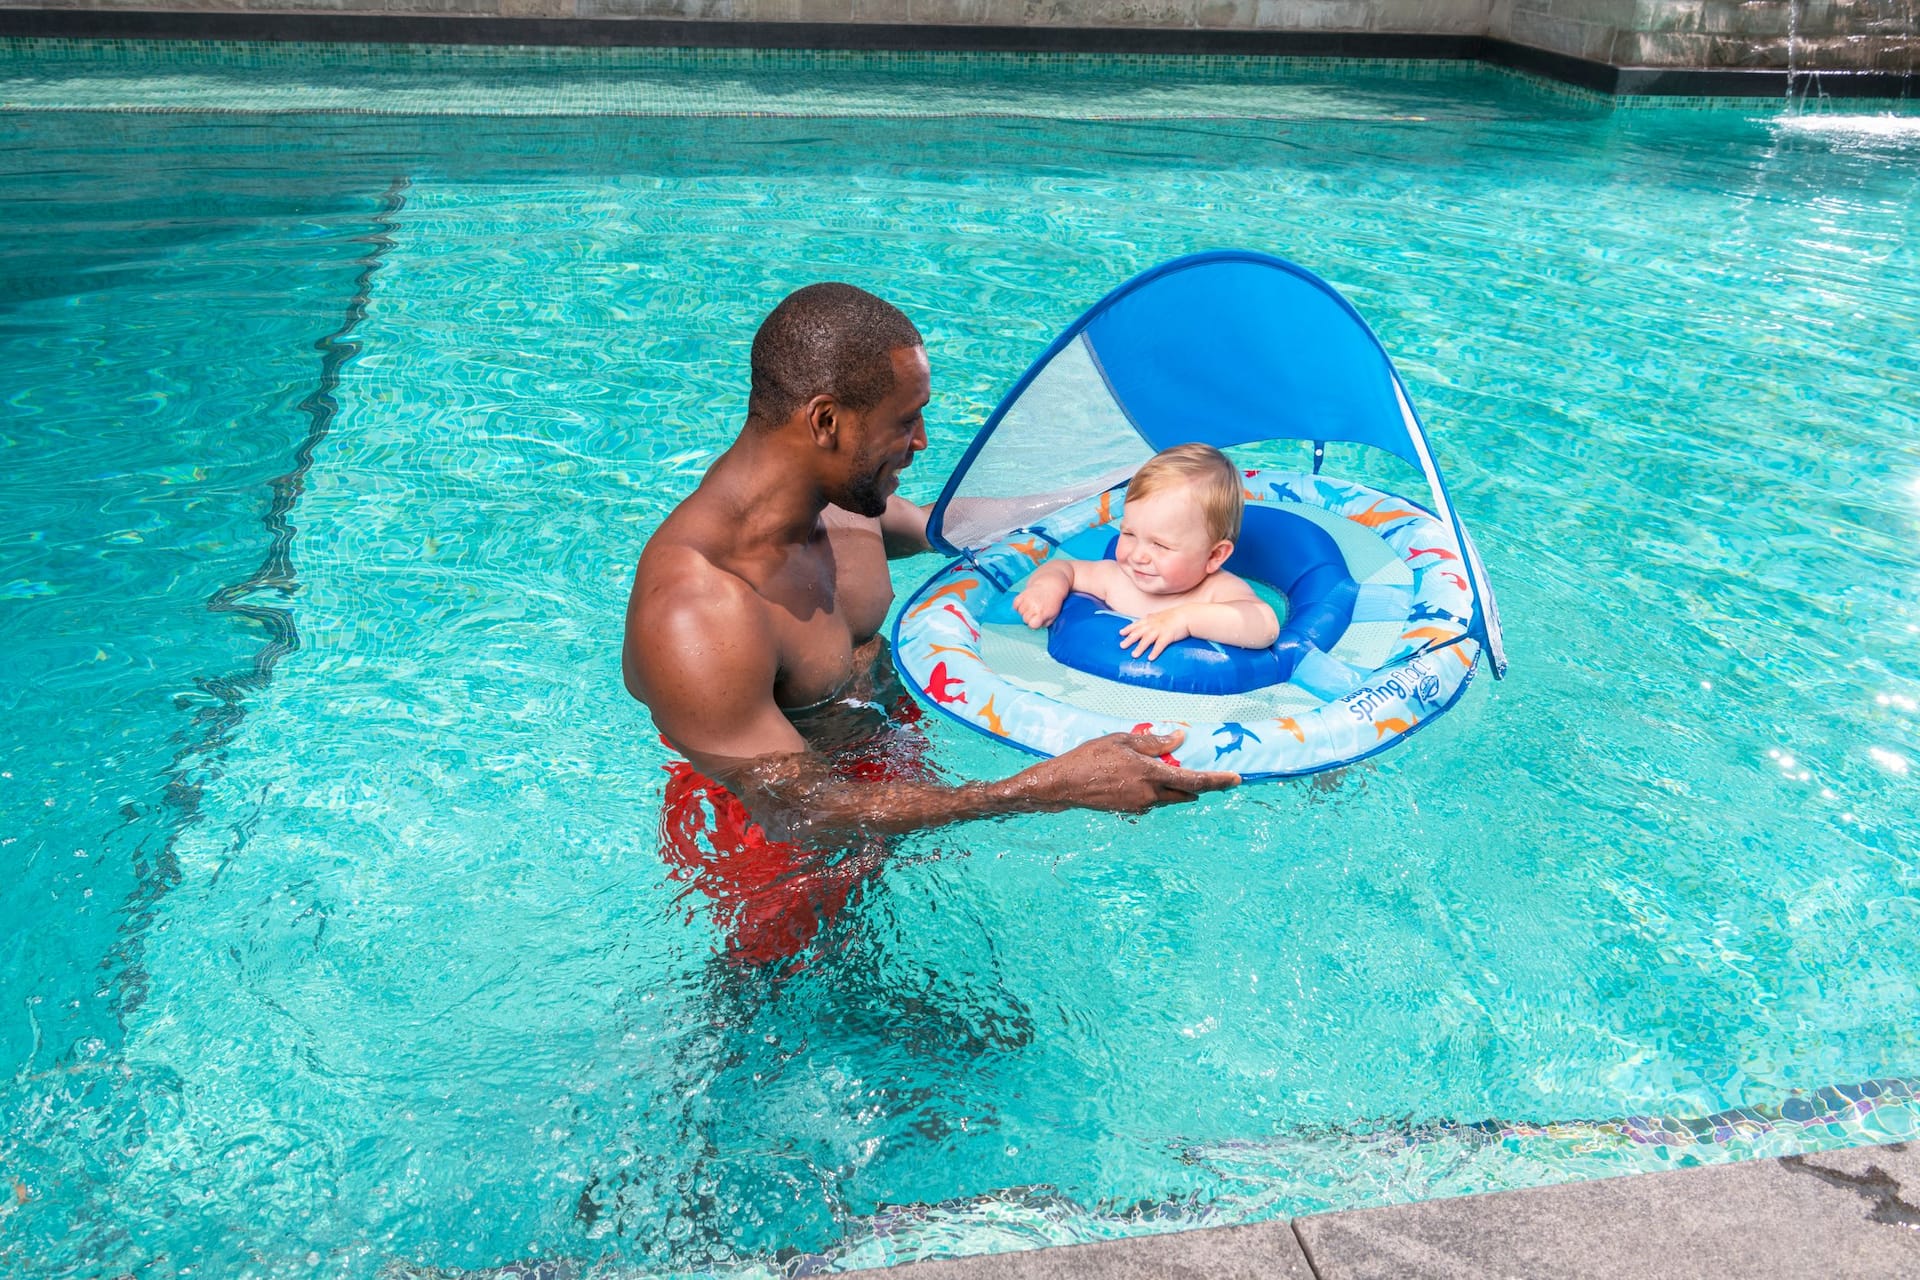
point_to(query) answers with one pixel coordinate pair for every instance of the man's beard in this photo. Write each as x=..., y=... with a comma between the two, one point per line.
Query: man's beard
x=863, y=495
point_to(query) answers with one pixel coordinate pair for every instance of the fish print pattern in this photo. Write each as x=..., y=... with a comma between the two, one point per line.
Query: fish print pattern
x=937, y=642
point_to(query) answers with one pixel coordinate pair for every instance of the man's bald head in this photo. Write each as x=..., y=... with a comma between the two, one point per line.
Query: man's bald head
x=826, y=339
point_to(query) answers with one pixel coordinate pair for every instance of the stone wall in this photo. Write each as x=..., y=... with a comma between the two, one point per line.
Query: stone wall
x=1432, y=17
x=1878, y=35
x=1815, y=34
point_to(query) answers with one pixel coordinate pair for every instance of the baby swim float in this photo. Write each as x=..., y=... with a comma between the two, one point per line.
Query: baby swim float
x=1385, y=609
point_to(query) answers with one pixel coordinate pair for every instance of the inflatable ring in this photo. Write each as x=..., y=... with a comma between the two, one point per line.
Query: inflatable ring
x=1379, y=645
x=1285, y=551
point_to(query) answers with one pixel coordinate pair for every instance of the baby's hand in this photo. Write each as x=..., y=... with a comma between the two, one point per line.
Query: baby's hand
x=1039, y=604
x=1153, y=633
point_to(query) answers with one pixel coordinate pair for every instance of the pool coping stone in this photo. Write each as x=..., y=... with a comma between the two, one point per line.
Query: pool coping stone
x=390, y=28
x=1833, y=1215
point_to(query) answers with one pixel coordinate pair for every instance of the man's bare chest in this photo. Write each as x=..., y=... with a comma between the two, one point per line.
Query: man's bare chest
x=822, y=607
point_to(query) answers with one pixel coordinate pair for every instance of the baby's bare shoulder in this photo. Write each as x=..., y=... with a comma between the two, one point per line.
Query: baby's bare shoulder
x=1226, y=588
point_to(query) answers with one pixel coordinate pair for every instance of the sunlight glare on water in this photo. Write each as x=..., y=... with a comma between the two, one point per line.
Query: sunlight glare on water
x=340, y=938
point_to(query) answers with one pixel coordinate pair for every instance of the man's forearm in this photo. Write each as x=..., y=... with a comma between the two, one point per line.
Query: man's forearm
x=798, y=798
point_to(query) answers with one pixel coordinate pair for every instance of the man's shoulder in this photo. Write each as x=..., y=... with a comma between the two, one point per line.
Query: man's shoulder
x=680, y=580
x=690, y=622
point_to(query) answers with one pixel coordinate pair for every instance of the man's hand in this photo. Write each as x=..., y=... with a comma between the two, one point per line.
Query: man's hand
x=1152, y=634
x=1120, y=773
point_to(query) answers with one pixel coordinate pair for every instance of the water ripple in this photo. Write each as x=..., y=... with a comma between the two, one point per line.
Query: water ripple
x=423, y=993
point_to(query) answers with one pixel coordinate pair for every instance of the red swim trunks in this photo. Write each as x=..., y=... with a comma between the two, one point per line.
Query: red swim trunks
x=771, y=898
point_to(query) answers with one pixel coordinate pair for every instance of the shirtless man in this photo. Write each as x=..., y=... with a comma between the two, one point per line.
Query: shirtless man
x=760, y=598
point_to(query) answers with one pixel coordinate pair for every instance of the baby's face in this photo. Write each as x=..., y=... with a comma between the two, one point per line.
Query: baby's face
x=1164, y=548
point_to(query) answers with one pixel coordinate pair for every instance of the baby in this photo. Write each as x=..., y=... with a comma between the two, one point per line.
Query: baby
x=1178, y=527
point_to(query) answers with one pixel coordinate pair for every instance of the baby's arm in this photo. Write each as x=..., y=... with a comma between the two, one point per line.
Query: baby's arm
x=1249, y=623
x=1039, y=601
x=1230, y=614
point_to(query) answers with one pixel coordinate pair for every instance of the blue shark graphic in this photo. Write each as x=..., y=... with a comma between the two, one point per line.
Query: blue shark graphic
x=1283, y=492
x=1331, y=497
x=1238, y=734
x=1424, y=612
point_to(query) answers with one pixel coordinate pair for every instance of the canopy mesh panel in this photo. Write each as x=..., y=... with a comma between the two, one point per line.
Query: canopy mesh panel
x=1064, y=431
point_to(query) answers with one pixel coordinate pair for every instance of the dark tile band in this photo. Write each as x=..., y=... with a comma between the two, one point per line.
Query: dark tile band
x=390, y=28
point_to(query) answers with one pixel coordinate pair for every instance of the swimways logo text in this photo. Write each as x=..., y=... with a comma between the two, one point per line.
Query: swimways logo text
x=1416, y=681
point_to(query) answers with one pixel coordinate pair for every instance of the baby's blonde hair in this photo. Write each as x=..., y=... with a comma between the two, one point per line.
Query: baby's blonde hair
x=1209, y=471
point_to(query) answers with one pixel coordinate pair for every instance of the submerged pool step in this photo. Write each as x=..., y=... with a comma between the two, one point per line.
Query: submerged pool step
x=1834, y=1215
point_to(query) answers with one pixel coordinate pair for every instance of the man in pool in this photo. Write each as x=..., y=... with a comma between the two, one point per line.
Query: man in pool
x=752, y=630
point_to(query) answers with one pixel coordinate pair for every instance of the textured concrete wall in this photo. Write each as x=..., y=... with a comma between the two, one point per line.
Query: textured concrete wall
x=1814, y=34
x=1817, y=34
x=1439, y=17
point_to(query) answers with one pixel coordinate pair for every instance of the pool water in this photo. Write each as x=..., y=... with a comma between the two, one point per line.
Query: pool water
x=338, y=939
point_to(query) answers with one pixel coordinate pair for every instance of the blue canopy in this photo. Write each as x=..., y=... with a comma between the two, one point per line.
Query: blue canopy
x=1227, y=348
x=1231, y=349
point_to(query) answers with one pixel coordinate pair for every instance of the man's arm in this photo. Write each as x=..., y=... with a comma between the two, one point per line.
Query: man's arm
x=704, y=662
x=798, y=797
x=903, y=528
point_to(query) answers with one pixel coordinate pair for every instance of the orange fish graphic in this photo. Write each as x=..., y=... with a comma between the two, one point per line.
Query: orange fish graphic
x=1456, y=580
x=1442, y=552
x=1105, y=514
x=992, y=718
x=1373, y=517
x=1033, y=549
x=1381, y=728
x=1429, y=633
x=933, y=649
x=958, y=589
x=941, y=686
x=1292, y=726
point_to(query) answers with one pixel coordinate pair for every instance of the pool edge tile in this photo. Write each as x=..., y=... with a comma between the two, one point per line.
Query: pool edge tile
x=1848, y=1212
x=1262, y=1251
x=1823, y=1216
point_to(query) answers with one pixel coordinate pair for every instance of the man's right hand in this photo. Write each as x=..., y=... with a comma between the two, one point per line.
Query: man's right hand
x=1121, y=773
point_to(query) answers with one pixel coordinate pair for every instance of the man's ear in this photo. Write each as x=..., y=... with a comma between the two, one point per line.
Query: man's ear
x=1218, y=556
x=823, y=421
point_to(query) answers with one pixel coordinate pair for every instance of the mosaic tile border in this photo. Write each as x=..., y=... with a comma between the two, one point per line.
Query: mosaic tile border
x=1256, y=43
x=1779, y=106
x=31, y=63
x=241, y=77
x=1838, y=1111
x=24, y=58
x=269, y=55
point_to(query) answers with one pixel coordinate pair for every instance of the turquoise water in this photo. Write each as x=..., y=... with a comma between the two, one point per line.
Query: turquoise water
x=338, y=938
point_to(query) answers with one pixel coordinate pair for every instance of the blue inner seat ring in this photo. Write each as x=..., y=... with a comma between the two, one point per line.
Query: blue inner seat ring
x=1289, y=553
